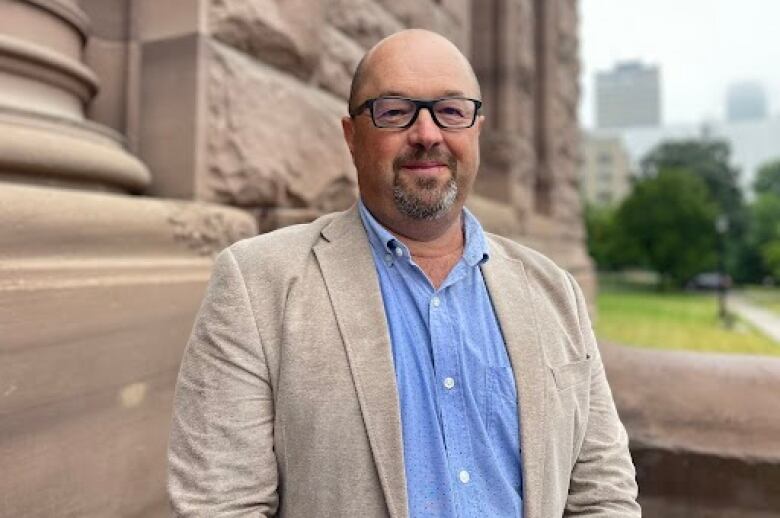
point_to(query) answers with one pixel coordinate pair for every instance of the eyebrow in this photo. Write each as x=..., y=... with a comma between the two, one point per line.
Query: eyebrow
x=394, y=93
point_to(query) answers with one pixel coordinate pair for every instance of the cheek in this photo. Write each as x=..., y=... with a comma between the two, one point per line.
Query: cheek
x=466, y=150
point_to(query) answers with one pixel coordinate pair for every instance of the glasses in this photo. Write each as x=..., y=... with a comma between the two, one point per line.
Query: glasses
x=401, y=112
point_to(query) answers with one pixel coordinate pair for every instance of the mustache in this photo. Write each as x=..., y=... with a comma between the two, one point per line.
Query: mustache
x=423, y=155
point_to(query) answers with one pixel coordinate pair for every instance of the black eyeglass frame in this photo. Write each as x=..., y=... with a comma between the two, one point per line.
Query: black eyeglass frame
x=418, y=105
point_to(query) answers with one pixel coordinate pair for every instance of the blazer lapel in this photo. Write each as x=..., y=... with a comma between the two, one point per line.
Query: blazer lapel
x=350, y=276
x=509, y=291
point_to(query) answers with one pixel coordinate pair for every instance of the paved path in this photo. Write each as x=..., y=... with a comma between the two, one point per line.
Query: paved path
x=766, y=321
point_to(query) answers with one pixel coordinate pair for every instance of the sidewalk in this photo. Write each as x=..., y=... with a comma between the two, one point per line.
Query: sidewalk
x=764, y=320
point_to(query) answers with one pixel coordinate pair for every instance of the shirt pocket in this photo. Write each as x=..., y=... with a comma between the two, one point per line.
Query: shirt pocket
x=503, y=427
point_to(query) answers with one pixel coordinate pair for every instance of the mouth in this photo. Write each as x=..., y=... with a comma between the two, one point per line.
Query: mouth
x=425, y=166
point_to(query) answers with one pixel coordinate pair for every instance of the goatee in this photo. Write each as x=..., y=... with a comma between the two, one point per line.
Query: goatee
x=425, y=199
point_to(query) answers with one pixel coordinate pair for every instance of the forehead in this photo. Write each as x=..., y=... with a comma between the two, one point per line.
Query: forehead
x=418, y=69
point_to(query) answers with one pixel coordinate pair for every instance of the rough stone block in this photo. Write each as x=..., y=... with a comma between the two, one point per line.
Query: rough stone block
x=450, y=21
x=362, y=20
x=272, y=140
x=285, y=34
x=338, y=60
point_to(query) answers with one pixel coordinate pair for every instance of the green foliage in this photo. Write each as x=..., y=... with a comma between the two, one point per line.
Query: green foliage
x=763, y=236
x=768, y=178
x=603, y=244
x=706, y=159
x=667, y=224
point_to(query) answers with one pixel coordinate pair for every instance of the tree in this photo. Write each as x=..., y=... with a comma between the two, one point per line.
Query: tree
x=768, y=178
x=710, y=160
x=603, y=244
x=707, y=159
x=669, y=218
x=763, y=237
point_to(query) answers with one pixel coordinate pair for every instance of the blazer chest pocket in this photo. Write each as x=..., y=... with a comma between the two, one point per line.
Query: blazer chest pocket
x=571, y=374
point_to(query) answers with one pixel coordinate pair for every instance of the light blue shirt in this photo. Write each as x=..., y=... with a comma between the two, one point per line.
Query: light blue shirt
x=459, y=413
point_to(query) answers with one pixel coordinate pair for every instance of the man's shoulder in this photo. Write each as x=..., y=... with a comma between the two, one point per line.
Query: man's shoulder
x=534, y=262
x=283, y=244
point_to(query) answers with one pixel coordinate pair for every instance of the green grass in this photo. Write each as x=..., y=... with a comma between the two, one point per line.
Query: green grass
x=768, y=298
x=673, y=321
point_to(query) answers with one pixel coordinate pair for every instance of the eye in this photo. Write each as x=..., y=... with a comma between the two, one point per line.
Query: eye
x=452, y=110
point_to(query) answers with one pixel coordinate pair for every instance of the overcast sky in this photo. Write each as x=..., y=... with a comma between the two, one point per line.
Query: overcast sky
x=701, y=45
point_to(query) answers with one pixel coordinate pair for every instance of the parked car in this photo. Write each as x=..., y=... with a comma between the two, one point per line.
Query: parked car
x=707, y=281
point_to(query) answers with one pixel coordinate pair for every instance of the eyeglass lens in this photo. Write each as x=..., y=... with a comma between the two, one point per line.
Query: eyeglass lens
x=450, y=113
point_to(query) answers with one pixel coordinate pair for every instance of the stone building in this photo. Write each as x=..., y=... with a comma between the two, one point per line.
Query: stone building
x=605, y=170
x=139, y=137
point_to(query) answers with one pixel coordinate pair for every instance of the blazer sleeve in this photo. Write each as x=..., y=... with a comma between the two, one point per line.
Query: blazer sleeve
x=603, y=482
x=220, y=455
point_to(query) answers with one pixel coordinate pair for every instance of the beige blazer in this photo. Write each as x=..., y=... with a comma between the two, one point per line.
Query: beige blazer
x=286, y=403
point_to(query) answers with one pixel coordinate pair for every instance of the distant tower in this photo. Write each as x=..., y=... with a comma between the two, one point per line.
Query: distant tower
x=628, y=95
x=746, y=101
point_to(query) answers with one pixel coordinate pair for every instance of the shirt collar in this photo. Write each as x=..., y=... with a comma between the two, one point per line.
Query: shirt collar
x=475, y=251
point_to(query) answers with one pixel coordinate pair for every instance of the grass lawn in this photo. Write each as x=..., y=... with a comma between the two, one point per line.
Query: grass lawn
x=673, y=321
x=766, y=297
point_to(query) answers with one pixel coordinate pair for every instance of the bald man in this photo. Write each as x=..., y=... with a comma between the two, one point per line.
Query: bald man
x=394, y=359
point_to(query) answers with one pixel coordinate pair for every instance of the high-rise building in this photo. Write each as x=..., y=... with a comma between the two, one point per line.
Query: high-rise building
x=746, y=101
x=629, y=95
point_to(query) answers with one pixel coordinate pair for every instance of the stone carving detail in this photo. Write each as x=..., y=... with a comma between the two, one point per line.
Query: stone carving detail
x=206, y=230
x=272, y=140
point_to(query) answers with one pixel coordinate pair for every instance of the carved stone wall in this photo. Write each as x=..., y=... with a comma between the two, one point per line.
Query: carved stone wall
x=98, y=286
x=138, y=137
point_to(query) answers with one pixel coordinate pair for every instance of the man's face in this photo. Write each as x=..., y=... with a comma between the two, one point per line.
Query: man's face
x=423, y=172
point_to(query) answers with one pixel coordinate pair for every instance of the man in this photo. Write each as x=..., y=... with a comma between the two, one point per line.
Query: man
x=394, y=360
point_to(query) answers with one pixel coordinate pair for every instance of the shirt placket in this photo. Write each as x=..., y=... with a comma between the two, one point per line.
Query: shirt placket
x=450, y=395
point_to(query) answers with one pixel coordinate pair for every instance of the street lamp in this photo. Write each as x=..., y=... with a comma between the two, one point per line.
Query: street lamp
x=722, y=227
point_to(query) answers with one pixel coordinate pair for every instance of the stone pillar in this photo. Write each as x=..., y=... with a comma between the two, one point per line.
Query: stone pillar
x=98, y=288
x=44, y=89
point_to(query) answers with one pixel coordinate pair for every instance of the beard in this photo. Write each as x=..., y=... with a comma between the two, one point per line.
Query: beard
x=424, y=198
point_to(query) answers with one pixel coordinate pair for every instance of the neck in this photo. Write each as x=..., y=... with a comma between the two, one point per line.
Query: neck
x=432, y=239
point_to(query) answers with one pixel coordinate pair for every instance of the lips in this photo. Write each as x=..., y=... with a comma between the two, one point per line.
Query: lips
x=423, y=165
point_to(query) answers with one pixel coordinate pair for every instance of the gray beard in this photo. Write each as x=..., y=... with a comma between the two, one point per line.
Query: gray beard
x=416, y=207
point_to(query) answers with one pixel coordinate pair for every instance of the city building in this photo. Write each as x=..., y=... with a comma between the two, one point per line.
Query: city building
x=628, y=95
x=606, y=170
x=752, y=142
x=746, y=102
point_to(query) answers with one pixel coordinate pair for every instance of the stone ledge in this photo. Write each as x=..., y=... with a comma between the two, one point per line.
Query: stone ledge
x=46, y=228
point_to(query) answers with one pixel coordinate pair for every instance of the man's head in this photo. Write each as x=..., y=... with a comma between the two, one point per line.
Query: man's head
x=423, y=172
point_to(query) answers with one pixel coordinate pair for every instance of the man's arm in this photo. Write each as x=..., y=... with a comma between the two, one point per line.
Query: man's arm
x=220, y=457
x=603, y=482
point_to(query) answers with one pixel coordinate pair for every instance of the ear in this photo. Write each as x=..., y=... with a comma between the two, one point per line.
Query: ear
x=348, y=128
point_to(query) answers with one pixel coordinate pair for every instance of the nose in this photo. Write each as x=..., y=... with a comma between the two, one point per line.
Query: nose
x=424, y=132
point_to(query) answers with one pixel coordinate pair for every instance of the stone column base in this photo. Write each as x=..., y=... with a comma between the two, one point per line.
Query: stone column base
x=97, y=297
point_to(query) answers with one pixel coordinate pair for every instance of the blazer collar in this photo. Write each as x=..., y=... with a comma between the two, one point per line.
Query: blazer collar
x=348, y=269
x=512, y=299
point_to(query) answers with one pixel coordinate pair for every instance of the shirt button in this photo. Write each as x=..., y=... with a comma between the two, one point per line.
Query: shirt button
x=436, y=302
x=464, y=476
x=399, y=251
x=449, y=383
x=388, y=258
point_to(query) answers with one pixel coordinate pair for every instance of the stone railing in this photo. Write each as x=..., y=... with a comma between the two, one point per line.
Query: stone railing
x=704, y=429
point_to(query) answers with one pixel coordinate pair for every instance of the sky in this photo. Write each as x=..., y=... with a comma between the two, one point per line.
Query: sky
x=701, y=46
